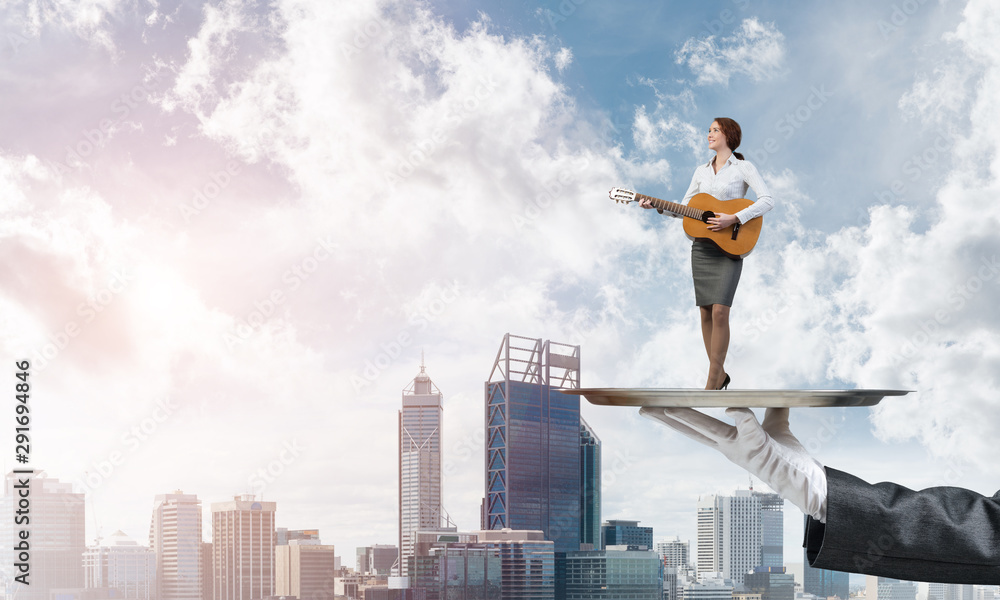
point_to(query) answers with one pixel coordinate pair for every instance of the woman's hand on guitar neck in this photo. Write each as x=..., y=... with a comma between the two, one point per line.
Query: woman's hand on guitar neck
x=720, y=221
x=647, y=203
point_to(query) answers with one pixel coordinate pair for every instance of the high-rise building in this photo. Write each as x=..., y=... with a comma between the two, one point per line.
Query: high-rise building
x=887, y=588
x=533, y=465
x=612, y=574
x=772, y=530
x=731, y=533
x=674, y=553
x=458, y=570
x=123, y=565
x=954, y=591
x=709, y=588
x=626, y=533
x=377, y=559
x=527, y=563
x=503, y=564
x=175, y=537
x=420, y=431
x=772, y=583
x=243, y=541
x=590, y=482
x=55, y=525
x=207, y=575
x=983, y=592
x=305, y=570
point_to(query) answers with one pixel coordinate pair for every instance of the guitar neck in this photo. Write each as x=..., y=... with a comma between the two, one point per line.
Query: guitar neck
x=678, y=209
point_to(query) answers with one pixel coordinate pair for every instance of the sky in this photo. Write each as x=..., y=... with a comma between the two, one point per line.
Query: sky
x=231, y=231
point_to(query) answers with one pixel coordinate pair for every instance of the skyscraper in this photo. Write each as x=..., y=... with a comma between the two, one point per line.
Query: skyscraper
x=590, y=481
x=420, y=424
x=772, y=530
x=175, y=537
x=124, y=565
x=533, y=464
x=55, y=522
x=732, y=530
x=243, y=540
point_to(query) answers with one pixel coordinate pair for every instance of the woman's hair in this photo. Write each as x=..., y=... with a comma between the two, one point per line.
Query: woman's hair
x=731, y=129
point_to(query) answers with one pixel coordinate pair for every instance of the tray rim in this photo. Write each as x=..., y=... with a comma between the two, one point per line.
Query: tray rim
x=749, y=398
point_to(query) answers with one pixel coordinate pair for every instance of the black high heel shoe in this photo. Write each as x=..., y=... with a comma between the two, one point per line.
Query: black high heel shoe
x=725, y=383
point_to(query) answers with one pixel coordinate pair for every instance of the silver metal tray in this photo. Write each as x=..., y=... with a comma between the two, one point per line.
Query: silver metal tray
x=728, y=398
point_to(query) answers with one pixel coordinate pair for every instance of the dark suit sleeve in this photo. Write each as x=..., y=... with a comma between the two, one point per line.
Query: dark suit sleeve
x=943, y=534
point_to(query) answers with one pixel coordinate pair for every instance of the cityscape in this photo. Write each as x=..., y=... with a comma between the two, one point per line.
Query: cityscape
x=541, y=534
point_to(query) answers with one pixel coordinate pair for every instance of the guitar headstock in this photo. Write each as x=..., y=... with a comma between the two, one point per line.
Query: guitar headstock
x=621, y=195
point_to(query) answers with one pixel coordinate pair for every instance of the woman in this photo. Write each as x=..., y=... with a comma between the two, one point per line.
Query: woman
x=726, y=177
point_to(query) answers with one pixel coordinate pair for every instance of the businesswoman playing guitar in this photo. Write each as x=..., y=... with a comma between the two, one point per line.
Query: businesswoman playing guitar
x=727, y=176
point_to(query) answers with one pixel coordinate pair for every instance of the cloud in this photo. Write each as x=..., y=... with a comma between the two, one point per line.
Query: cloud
x=90, y=20
x=406, y=186
x=652, y=134
x=453, y=198
x=563, y=58
x=756, y=50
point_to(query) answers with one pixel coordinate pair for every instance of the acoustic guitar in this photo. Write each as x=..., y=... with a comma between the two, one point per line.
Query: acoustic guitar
x=736, y=241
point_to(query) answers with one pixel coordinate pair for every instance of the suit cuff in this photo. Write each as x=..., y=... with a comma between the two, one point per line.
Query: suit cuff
x=813, y=542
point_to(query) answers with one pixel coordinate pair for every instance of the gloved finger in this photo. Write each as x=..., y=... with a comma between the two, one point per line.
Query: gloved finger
x=679, y=426
x=749, y=430
x=709, y=427
x=776, y=425
x=775, y=420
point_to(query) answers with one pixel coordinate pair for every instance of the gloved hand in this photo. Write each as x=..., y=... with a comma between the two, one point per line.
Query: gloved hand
x=769, y=451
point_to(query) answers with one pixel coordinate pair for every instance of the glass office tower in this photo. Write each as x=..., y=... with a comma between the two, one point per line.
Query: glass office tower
x=617, y=532
x=590, y=479
x=533, y=471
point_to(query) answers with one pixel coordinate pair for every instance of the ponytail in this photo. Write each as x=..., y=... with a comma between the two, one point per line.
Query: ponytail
x=738, y=155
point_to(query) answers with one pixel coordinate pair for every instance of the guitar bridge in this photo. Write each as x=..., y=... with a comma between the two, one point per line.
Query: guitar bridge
x=736, y=229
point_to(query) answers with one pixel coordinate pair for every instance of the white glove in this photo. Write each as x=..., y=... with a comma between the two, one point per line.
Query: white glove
x=770, y=451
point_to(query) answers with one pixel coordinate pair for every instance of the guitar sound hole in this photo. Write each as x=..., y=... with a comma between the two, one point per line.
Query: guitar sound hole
x=705, y=216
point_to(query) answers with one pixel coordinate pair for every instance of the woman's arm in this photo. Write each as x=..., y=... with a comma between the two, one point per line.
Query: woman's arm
x=693, y=188
x=764, y=201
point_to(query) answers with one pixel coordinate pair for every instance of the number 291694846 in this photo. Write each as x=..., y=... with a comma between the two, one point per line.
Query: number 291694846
x=22, y=431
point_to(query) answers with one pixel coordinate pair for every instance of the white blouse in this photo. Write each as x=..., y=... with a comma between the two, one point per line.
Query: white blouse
x=731, y=182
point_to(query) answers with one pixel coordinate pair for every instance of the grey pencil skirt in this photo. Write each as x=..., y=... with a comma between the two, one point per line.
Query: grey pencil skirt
x=715, y=274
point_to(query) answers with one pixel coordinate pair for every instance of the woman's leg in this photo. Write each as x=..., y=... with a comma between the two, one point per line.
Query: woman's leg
x=706, y=328
x=715, y=330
